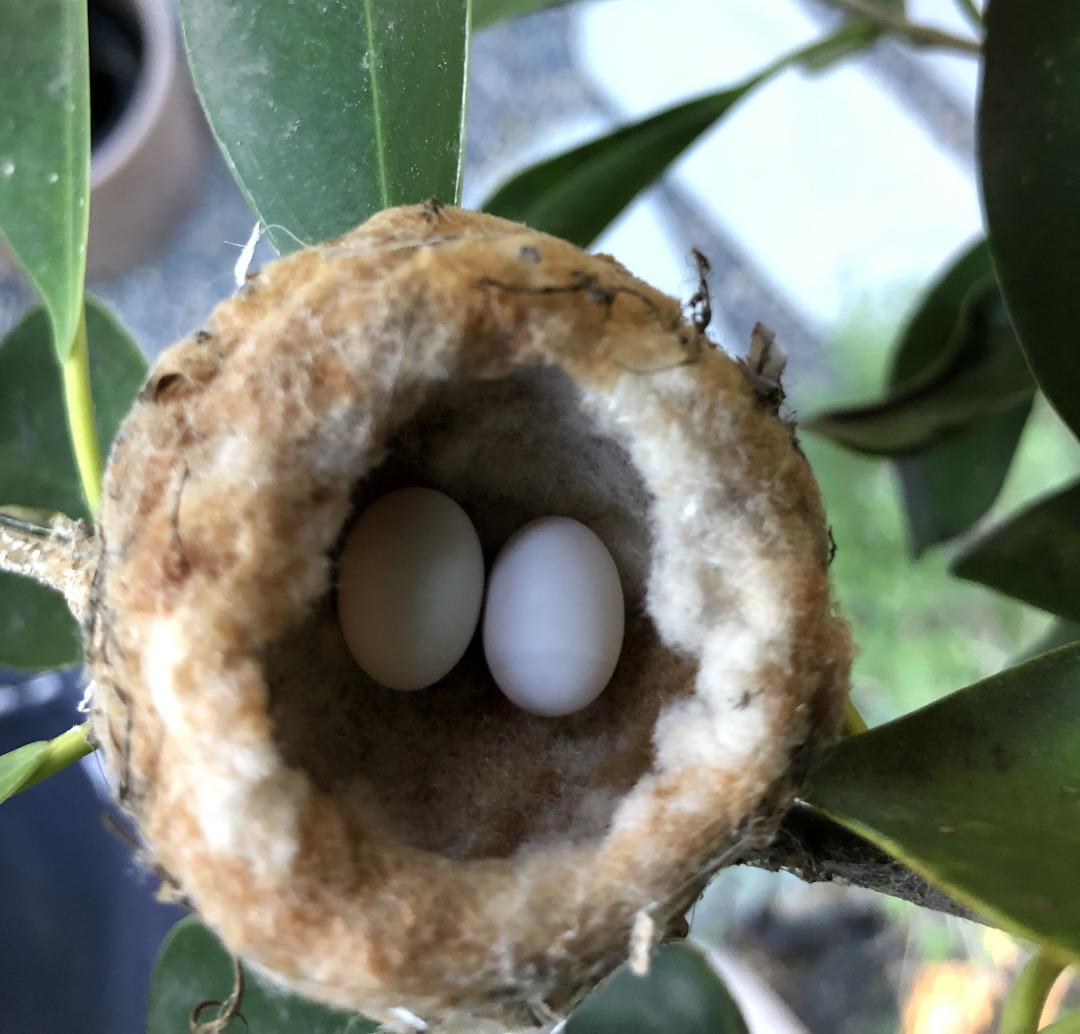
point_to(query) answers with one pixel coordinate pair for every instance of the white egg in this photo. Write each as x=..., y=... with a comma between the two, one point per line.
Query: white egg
x=553, y=622
x=410, y=587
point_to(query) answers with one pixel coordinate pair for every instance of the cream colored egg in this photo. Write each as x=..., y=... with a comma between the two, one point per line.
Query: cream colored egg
x=553, y=622
x=410, y=587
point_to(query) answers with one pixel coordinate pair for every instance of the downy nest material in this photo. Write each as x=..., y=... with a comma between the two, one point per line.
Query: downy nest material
x=442, y=852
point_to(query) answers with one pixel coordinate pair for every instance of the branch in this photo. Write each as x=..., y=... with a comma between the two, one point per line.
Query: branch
x=916, y=35
x=818, y=850
x=52, y=549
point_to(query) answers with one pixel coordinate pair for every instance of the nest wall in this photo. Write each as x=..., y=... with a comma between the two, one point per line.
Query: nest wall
x=442, y=851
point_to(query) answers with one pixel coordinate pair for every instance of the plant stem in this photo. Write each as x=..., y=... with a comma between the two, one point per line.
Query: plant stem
x=974, y=15
x=79, y=404
x=1066, y=1025
x=854, y=723
x=1024, y=1003
x=817, y=849
x=53, y=550
x=63, y=750
x=916, y=35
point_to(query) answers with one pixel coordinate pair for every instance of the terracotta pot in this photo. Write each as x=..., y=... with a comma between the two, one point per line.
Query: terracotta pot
x=144, y=172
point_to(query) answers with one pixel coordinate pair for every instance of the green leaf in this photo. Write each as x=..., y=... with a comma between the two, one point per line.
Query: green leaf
x=37, y=468
x=979, y=792
x=1035, y=557
x=931, y=338
x=980, y=373
x=30, y=764
x=970, y=10
x=1029, y=145
x=681, y=994
x=576, y=195
x=19, y=765
x=489, y=12
x=45, y=150
x=37, y=631
x=328, y=113
x=1061, y=633
x=1023, y=1005
x=193, y=967
x=951, y=484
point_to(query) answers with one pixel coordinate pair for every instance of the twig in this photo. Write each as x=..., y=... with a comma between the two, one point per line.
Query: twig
x=60, y=554
x=228, y=1010
x=818, y=850
x=915, y=34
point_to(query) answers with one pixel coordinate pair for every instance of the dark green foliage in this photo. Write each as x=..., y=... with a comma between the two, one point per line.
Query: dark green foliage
x=1034, y=557
x=45, y=151
x=978, y=792
x=681, y=993
x=193, y=968
x=37, y=468
x=1029, y=146
x=328, y=113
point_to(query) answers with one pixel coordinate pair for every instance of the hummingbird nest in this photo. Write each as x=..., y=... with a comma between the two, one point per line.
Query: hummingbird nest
x=443, y=854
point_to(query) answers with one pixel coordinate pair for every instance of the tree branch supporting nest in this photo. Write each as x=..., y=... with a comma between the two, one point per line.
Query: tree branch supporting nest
x=818, y=850
x=52, y=549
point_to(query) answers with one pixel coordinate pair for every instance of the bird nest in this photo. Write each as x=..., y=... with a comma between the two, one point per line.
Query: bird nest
x=443, y=852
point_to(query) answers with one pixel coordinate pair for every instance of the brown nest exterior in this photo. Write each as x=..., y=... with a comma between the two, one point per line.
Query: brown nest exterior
x=443, y=852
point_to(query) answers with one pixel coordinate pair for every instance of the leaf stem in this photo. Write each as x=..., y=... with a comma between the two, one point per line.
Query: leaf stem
x=61, y=751
x=854, y=723
x=974, y=15
x=1024, y=1003
x=915, y=34
x=79, y=404
x=1066, y=1025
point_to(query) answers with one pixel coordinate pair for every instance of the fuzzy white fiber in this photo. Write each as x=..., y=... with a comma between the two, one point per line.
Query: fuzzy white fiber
x=441, y=854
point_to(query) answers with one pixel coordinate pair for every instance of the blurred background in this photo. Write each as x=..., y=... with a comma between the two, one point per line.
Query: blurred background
x=825, y=205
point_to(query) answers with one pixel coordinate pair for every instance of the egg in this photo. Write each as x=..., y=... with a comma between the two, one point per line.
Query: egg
x=410, y=587
x=554, y=617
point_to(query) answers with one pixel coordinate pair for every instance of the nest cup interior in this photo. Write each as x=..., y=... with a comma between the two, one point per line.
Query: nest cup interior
x=456, y=768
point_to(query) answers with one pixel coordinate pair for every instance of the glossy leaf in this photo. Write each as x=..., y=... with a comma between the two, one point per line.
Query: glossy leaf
x=328, y=113
x=1034, y=557
x=37, y=469
x=930, y=339
x=19, y=765
x=37, y=631
x=45, y=150
x=681, y=993
x=981, y=373
x=1061, y=633
x=952, y=483
x=576, y=195
x=490, y=12
x=1029, y=145
x=193, y=967
x=979, y=792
